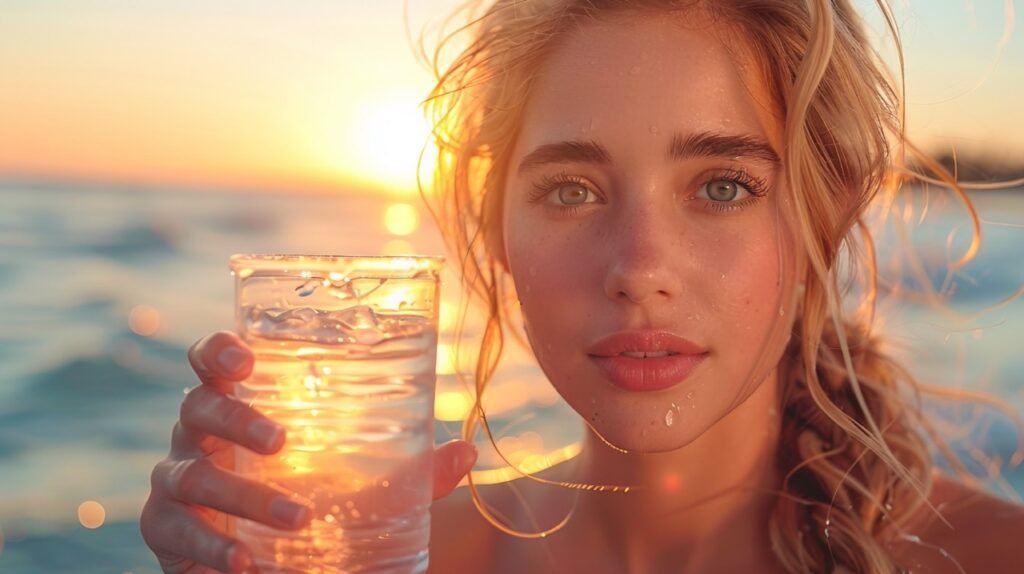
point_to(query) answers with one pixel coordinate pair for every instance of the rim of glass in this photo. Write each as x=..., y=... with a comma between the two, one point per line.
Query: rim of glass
x=302, y=262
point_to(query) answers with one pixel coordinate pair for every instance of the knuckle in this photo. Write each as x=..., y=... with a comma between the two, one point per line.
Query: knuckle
x=149, y=524
x=158, y=477
x=195, y=402
x=236, y=415
x=189, y=479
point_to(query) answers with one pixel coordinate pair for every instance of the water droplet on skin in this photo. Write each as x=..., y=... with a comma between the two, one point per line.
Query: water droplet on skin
x=689, y=395
x=773, y=412
x=634, y=70
x=723, y=275
x=670, y=417
x=912, y=538
x=782, y=311
x=653, y=129
x=385, y=484
x=643, y=433
x=675, y=407
x=826, y=533
x=888, y=506
x=689, y=317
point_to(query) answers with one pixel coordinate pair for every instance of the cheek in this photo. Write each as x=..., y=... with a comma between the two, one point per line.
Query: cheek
x=741, y=282
x=556, y=284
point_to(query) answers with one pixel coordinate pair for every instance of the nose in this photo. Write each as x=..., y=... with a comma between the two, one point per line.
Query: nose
x=646, y=258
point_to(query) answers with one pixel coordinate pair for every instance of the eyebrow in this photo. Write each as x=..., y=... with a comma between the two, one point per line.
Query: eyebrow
x=699, y=144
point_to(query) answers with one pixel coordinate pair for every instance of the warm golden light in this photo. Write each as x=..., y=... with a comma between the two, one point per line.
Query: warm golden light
x=446, y=359
x=385, y=140
x=529, y=465
x=144, y=320
x=449, y=317
x=397, y=247
x=452, y=406
x=401, y=219
x=91, y=514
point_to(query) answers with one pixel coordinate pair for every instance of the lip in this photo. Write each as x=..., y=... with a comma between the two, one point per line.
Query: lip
x=650, y=373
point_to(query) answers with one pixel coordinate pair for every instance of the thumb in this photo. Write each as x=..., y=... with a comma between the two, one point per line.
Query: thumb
x=452, y=461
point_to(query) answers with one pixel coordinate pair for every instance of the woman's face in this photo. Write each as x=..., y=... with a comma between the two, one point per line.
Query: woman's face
x=668, y=213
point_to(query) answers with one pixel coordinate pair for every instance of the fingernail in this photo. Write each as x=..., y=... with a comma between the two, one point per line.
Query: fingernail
x=287, y=512
x=231, y=358
x=265, y=432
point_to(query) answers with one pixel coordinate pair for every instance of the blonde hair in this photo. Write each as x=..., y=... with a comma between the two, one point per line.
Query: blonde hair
x=852, y=448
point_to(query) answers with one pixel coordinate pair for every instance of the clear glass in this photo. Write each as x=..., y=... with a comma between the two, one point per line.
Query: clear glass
x=345, y=359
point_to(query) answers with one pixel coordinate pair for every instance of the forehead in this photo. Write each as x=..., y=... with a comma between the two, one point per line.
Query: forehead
x=634, y=78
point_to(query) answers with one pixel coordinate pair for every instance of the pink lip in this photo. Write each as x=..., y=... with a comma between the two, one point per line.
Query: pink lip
x=649, y=373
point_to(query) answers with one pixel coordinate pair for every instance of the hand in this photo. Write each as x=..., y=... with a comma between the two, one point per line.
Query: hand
x=193, y=489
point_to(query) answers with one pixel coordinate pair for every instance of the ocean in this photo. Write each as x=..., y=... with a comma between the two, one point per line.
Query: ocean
x=102, y=291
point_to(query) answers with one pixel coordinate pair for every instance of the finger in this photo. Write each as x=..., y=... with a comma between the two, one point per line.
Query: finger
x=183, y=540
x=198, y=481
x=221, y=359
x=452, y=461
x=206, y=412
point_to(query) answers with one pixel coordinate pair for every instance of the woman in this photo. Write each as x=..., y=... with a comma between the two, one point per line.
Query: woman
x=661, y=190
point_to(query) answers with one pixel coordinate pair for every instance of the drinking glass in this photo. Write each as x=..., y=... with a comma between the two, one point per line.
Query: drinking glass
x=345, y=352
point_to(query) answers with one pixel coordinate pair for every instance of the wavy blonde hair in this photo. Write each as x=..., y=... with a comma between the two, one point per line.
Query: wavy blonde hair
x=852, y=447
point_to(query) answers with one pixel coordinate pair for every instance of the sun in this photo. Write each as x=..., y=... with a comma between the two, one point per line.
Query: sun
x=382, y=142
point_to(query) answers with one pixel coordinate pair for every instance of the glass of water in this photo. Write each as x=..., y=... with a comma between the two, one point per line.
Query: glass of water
x=345, y=360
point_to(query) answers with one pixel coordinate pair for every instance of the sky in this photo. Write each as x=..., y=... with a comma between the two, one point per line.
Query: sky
x=324, y=94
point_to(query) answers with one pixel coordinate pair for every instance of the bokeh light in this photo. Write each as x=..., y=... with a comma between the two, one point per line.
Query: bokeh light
x=144, y=320
x=671, y=482
x=445, y=359
x=401, y=219
x=91, y=514
x=452, y=406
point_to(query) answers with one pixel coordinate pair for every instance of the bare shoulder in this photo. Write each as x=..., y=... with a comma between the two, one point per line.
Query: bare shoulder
x=983, y=534
x=461, y=540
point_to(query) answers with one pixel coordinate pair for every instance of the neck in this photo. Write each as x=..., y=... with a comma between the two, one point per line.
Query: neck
x=701, y=506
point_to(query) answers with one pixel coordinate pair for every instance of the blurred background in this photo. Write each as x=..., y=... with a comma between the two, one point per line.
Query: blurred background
x=143, y=143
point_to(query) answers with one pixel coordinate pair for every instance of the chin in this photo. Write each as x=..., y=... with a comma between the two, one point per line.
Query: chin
x=645, y=436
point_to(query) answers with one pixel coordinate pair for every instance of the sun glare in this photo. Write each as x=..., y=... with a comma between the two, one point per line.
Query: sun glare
x=383, y=143
x=401, y=219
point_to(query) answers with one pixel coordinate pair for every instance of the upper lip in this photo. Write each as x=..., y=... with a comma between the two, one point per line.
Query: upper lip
x=644, y=341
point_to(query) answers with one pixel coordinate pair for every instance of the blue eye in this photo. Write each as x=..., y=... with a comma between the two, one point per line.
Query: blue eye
x=722, y=191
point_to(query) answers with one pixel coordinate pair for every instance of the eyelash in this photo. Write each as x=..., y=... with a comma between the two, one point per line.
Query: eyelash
x=757, y=188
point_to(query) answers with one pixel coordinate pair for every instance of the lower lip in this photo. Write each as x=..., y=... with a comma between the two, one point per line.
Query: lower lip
x=650, y=374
